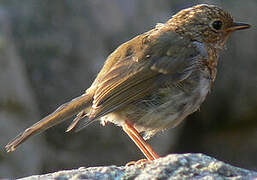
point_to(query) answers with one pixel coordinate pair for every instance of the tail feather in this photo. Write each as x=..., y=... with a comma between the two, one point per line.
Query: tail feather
x=75, y=122
x=65, y=111
x=80, y=122
x=83, y=124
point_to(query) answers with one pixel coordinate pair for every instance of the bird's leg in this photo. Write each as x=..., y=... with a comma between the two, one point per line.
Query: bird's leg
x=139, y=141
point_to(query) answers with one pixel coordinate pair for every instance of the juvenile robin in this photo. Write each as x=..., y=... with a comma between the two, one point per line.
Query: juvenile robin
x=153, y=81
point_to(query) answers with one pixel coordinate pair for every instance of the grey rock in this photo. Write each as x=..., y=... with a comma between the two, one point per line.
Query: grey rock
x=175, y=166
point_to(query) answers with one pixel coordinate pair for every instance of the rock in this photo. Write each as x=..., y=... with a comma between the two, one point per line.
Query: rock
x=175, y=166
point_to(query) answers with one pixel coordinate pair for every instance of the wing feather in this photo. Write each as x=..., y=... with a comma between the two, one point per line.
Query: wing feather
x=128, y=80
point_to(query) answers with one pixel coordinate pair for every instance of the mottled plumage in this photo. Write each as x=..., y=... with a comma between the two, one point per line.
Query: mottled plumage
x=153, y=81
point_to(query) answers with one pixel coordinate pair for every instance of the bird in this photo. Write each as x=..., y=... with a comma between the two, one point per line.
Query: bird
x=153, y=81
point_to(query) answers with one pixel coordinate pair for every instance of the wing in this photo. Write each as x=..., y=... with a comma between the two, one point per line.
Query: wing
x=123, y=84
x=138, y=66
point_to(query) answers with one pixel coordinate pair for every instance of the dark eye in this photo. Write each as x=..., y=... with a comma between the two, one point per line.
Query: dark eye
x=217, y=25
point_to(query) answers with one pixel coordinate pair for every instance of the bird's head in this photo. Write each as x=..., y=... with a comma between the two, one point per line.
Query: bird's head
x=205, y=23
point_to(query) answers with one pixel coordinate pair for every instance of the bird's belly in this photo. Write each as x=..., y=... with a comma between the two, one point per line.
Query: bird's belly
x=165, y=108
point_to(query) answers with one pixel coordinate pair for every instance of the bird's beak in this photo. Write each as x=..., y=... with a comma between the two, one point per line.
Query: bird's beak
x=238, y=26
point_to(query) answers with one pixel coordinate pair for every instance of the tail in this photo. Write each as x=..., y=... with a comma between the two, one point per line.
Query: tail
x=65, y=111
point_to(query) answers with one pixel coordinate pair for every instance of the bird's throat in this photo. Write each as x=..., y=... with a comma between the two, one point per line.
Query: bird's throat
x=212, y=61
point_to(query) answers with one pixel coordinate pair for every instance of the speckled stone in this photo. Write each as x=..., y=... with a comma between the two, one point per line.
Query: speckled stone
x=175, y=167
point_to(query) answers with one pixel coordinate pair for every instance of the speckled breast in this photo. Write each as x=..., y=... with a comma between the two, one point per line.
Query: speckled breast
x=170, y=104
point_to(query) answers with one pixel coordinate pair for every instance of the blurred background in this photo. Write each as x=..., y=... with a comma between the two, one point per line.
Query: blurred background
x=51, y=51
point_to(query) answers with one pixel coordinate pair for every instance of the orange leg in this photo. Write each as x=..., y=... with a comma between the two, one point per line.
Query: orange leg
x=140, y=142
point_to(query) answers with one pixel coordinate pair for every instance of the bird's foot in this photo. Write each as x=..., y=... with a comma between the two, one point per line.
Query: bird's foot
x=141, y=162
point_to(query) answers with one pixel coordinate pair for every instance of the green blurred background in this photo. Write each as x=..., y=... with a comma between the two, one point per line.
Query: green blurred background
x=51, y=51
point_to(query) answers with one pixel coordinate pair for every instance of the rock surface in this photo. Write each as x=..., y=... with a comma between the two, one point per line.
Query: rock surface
x=175, y=166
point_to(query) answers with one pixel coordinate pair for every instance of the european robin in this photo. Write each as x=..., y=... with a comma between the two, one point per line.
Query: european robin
x=153, y=81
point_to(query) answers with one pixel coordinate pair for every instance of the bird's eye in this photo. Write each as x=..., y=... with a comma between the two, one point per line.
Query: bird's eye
x=217, y=25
